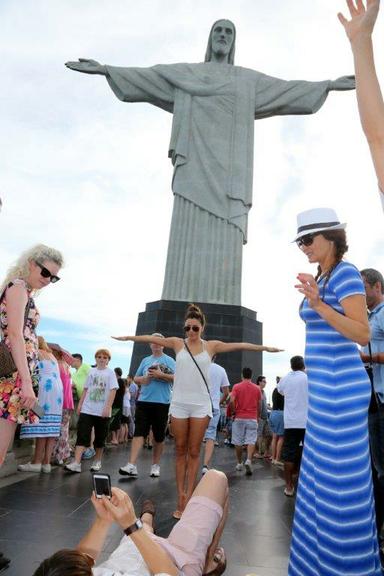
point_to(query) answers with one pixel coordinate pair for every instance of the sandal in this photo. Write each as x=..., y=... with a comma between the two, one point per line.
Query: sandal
x=177, y=514
x=221, y=563
x=148, y=507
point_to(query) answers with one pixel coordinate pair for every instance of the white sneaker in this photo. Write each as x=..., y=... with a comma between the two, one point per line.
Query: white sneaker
x=46, y=468
x=204, y=470
x=29, y=467
x=96, y=466
x=155, y=471
x=248, y=468
x=128, y=470
x=239, y=467
x=73, y=467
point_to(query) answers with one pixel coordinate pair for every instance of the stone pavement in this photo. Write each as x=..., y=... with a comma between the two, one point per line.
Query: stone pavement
x=40, y=513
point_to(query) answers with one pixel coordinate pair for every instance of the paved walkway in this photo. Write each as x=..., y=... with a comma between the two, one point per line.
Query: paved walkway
x=41, y=513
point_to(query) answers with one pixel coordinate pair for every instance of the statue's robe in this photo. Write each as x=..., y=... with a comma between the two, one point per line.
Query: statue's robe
x=214, y=107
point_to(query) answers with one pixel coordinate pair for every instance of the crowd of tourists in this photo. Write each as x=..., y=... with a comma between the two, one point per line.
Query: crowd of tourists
x=326, y=426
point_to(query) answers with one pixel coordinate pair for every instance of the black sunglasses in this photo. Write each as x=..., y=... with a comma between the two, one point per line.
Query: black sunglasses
x=194, y=328
x=306, y=240
x=46, y=273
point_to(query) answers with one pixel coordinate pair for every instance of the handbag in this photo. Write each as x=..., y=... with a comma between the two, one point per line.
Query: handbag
x=202, y=375
x=374, y=403
x=7, y=363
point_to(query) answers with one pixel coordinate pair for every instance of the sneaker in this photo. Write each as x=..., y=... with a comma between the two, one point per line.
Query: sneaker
x=204, y=470
x=46, y=468
x=88, y=453
x=96, y=466
x=289, y=492
x=239, y=467
x=29, y=467
x=248, y=468
x=128, y=470
x=73, y=467
x=155, y=471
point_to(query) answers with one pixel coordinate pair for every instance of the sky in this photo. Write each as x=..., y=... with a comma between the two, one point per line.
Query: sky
x=89, y=175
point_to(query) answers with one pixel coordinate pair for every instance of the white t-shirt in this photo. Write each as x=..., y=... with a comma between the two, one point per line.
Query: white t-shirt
x=126, y=560
x=99, y=383
x=294, y=388
x=218, y=380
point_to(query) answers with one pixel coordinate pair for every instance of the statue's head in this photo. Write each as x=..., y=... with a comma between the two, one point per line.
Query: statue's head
x=221, y=41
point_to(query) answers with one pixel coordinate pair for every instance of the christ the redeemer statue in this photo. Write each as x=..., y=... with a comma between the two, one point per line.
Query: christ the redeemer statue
x=214, y=105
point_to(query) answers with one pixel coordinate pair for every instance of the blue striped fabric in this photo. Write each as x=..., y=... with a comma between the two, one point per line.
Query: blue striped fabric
x=334, y=529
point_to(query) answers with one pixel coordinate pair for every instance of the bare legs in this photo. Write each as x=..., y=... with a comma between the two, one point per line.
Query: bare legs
x=43, y=450
x=7, y=433
x=136, y=446
x=208, y=452
x=189, y=434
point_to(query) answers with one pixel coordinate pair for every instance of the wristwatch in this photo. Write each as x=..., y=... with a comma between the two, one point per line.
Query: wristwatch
x=133, y=527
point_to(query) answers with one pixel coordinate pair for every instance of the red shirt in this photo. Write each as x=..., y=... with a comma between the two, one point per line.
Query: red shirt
x=246, y=396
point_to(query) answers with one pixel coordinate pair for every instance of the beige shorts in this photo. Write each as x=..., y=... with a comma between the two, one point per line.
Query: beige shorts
x=190, y=538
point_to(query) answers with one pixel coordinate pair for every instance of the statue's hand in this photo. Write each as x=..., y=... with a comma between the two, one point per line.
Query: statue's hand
x=87, y=66
x=343, y=83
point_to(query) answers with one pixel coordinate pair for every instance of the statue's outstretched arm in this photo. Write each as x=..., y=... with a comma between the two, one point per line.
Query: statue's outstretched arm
x=87, y=66
x=343, y=83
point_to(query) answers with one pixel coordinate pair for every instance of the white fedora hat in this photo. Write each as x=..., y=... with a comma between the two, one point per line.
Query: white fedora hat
x=317, y=220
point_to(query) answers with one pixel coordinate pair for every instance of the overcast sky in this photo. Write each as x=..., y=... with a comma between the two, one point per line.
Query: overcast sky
x=88, y=174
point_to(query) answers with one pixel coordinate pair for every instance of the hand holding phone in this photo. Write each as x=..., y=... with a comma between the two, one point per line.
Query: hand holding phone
x=102, y=485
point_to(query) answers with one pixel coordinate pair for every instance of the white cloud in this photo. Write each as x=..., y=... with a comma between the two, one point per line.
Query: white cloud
x=88, y=174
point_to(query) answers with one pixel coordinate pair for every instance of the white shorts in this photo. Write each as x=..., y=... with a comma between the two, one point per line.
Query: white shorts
x=184, y=410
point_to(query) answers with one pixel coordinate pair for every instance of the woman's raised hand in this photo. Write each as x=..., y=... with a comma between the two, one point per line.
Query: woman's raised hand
x=87, y=66
x=272, y=349
x=309, y=288
x=362, y=20
x=121, y=338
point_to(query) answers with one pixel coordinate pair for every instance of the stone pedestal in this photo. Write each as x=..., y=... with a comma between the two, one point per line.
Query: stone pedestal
x=224, y=322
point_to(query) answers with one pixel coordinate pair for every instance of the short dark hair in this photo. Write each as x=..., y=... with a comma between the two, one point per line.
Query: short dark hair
x=78, y=356
x=297, y=363
x=247, y=373
x=65, y=563
x=118, y=372
x=372, y=276
x=259, y=379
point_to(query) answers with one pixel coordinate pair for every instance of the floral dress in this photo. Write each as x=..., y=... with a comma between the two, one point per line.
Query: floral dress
x=10, y=386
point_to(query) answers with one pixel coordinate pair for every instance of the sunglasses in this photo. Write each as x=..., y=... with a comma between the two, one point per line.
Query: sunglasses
x=45, y=273
x=306, y=240
x=194, y=328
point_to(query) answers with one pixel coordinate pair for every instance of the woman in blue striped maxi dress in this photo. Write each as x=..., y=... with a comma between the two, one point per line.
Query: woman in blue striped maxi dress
x=334, y=531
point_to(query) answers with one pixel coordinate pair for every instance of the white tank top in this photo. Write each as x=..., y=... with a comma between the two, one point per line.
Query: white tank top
x=188, y=385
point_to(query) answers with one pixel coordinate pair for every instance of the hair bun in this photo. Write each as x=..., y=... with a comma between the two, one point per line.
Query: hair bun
x=195, y=312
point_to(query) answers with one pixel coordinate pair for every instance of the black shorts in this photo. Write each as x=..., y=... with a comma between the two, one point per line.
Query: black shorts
x=84, y=429
x=293, y=444
x=151, y=414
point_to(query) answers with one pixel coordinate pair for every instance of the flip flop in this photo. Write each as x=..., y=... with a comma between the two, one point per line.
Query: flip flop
x=220, y=558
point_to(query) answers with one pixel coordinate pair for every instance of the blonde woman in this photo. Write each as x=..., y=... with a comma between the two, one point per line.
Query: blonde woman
x=50, y=398
x=33, y=271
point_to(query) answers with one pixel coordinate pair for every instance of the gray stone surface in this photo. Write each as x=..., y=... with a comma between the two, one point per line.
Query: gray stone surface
x=214, y=105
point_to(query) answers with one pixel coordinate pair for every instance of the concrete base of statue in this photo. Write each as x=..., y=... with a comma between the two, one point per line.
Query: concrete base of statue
x=224, y=322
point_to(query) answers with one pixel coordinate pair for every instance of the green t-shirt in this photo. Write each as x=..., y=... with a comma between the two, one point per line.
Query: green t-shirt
x=79, y=377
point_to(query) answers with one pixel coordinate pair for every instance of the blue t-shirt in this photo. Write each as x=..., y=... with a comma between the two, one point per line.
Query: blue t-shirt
x=157, y=390
x=376, y=322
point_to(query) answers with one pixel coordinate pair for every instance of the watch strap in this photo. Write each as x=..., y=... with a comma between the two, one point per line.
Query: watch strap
x=137, y=525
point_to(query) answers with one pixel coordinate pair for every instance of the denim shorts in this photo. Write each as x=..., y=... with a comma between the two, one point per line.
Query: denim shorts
x=211, y=431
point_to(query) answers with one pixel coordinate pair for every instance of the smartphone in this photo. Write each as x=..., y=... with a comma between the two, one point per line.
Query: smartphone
x=102, y=485
x=38, y=410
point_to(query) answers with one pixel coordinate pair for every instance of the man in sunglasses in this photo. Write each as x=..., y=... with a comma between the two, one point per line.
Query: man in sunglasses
x=155, y=377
